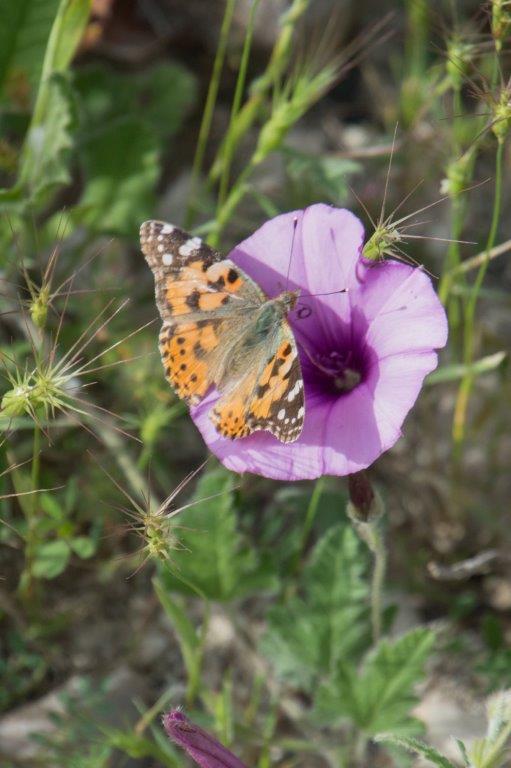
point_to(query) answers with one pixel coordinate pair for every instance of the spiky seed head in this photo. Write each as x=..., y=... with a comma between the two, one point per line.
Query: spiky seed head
x=459, y=56
x=457, y=175
x=500, y=21
x=382, y=242
x=17, y=401
x=501, y=109
x=39, y=307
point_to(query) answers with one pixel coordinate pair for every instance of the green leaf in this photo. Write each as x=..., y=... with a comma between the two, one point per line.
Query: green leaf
x=463, y=752
x=316, y=177
x=211, y=556
x=48, y=145
x=459, y=370
x=24, y=31
x=416, y=747
x=307, y=635
x=83, y=546
x=184, y=628
x=122, y=167
x=380, y=696
x=52, y=506
x=161, y=95
x=66, y=33
x=51, y=559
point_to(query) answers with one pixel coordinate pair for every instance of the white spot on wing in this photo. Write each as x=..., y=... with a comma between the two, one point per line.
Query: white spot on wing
x=167, y=259
x=190, y=246
x=167, y=229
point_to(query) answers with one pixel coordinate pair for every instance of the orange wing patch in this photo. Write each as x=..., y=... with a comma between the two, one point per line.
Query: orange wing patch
x=229, y=417
x=273, y=383
x=184, y=350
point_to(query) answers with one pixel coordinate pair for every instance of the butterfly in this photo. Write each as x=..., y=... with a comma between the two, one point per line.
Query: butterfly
x=221, y=330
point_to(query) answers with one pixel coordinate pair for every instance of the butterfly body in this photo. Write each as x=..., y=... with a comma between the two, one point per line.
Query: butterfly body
x=220, y=330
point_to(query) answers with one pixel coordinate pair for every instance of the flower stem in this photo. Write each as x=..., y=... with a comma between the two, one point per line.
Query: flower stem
x=365, y=509
x=460, y=410
x=209, y=107
x=372, y=536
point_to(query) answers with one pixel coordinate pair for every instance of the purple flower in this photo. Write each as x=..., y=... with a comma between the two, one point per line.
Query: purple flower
x=364, y=351
x=200, y=745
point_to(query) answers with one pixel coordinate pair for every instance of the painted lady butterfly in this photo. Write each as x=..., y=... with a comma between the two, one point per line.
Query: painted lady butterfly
x=220, y=330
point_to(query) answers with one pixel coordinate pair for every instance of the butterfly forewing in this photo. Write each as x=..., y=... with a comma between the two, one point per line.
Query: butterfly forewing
x=208, y=306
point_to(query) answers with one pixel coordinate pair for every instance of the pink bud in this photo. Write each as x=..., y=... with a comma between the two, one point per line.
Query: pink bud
x=205, y=750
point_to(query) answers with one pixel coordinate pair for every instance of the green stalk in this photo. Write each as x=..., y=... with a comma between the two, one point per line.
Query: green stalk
x=276, y=66
x=230, y=140
x=372, y=535
x=31, y=515
x=209, y=107
x=365, y=510
x=468, y=380
x=310, y=516
x=234, y=198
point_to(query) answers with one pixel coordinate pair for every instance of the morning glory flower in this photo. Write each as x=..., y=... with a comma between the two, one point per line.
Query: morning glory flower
x=367, y=334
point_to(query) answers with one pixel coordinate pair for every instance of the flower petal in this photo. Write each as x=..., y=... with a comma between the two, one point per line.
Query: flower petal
x=403, y=310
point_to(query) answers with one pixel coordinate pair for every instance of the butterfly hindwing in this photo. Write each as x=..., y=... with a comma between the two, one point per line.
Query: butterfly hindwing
x=270, y=399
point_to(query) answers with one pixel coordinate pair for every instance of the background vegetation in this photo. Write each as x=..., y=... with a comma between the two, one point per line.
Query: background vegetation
x=260, y=606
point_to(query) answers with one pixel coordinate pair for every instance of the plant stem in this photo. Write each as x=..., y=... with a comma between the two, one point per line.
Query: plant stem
x=230, y=139
x=465, y=388
x=276, y=66
x=371, y=535
x=374, y=541
x=31, y=513
x=209, y=107
x=310, y=516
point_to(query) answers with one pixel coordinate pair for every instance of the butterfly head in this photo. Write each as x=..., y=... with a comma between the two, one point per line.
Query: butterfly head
x=287, y=300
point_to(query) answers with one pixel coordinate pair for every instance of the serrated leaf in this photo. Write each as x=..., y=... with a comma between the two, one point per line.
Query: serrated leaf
x=211, y=556
x=307, y=635
x=417, y=747
x=51, y=559
x=122, y=166
x=381, y=696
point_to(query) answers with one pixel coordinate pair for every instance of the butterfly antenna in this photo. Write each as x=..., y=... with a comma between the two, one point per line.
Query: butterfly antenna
x=295, y=224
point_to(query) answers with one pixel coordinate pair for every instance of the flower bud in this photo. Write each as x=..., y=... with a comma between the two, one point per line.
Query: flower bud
x=205, y=750
x=364, y=506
